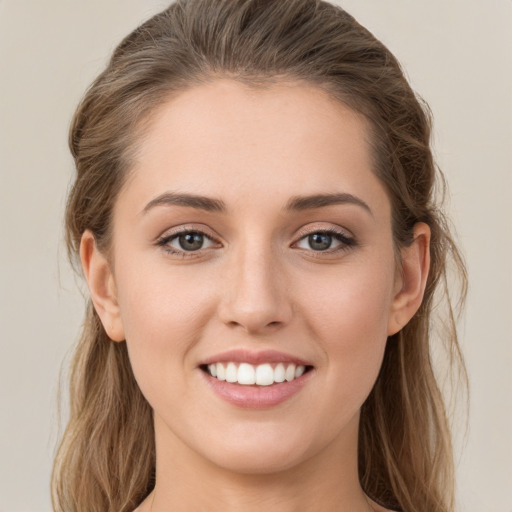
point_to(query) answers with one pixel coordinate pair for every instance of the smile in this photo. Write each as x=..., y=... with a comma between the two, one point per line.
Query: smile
x=246, y=374
x=260, y=379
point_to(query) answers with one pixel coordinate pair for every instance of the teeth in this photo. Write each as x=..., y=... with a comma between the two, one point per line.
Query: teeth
x=231, y=373
x=246, y=374
x=299, y=371
x=261, y=375
x=221, y=373
x=264, y=375
x=279, y=373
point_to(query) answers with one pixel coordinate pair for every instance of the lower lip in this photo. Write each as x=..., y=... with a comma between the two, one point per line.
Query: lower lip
x=256, y=397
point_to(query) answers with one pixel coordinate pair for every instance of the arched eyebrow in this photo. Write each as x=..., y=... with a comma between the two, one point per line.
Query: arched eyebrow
x=191, y=200
x=297, y=203
x=300, y=203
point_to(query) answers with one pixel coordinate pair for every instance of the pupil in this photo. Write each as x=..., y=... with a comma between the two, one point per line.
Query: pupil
x=191, y=241
x=320, y=241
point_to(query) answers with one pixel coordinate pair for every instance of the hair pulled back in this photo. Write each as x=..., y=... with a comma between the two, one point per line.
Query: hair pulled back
x=106, y=460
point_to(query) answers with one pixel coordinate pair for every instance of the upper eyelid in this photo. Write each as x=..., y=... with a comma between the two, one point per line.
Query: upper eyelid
x=179, y=230
x=303, y=232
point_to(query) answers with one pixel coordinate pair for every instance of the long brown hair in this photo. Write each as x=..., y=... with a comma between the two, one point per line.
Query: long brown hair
x=106, y=460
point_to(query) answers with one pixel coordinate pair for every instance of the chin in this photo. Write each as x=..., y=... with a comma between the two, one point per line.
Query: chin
x=257, y=460
x=257, y=450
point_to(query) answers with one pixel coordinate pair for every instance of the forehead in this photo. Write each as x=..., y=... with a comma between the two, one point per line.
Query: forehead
x=227, y=140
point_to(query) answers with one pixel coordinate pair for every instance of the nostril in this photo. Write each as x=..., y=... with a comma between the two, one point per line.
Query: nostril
x=255, y=324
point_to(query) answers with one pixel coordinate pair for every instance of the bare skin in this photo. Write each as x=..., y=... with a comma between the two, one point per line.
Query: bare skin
x=258, y=279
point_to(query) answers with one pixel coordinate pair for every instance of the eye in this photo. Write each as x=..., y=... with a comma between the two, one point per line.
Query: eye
x=325, y=240
x=320, y=241
x=190, y=241
x=186, y=242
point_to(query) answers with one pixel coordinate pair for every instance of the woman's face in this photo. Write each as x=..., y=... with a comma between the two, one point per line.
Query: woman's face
x=253, y=231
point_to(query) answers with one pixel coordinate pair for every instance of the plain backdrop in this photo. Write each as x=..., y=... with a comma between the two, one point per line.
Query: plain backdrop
x=457, y=55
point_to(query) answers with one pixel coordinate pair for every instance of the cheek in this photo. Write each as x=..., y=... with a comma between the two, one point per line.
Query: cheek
x=163, y=314
x=348, y=314
x=352, y=301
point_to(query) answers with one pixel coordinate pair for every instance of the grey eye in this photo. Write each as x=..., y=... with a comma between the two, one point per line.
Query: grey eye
x=320, y=241
x=325, y=240
x=187, y=242
x=191, y=241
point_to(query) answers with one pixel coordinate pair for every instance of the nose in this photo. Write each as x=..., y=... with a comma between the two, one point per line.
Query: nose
x=255, y=296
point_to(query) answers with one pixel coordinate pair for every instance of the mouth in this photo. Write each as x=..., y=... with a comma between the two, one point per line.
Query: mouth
x=263, y=374
x=257, y=380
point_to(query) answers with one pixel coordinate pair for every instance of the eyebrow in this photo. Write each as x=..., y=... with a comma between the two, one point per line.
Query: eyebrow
x=297, y=203
x=300, y=203
x=190, y=200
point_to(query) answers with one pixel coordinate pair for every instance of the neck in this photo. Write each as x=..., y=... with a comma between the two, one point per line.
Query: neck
x=328, y=481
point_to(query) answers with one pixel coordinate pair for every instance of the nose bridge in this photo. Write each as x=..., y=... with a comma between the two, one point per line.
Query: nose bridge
x=255, y=297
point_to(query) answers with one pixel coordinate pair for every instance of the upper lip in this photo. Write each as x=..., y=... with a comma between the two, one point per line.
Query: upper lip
x=254, y=357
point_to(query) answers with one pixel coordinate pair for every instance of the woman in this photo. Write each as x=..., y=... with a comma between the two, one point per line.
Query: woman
x=254, y=216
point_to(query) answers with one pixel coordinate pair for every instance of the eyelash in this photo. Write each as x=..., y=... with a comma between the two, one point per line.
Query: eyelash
x=165, y=240
x=346, y=242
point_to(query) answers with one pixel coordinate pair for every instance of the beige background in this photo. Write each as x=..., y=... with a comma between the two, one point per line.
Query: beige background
x=457, y=55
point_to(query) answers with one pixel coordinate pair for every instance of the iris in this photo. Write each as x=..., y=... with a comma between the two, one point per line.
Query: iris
x=320, y=241
x=191, y=241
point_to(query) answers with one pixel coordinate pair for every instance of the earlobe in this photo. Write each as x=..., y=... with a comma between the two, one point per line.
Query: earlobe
x=102, y=289
x=412, y=279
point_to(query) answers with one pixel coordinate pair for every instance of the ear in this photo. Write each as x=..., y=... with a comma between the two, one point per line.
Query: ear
x=102, y=287
x=411, y=279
